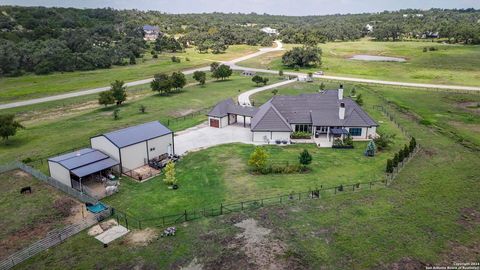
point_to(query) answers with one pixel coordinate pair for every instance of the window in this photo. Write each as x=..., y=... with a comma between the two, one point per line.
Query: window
x=303, y=128
x=355, y=131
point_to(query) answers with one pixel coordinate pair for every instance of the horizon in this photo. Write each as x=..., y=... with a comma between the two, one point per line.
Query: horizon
x=260, y=7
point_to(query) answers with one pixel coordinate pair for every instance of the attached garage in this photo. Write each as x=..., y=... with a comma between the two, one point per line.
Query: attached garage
x=134, y=147
x=268, y=125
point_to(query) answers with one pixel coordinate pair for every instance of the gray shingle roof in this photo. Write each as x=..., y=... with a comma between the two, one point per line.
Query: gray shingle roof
x=85, y=161
x=224, y=107
x=268, y=118
x=321, y=109
x=133, y=135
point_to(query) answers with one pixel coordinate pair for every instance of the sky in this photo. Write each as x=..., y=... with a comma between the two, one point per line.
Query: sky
x=277, y=7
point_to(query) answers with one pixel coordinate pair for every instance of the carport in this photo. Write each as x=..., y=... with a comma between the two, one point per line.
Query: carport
x=244, y=112
x=227, y=112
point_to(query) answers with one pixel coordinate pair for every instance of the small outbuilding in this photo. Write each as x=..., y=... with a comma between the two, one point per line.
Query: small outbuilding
x=77, y=169
x=135, y=146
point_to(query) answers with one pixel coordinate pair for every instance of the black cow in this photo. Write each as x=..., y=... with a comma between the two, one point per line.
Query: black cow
x=25, y=190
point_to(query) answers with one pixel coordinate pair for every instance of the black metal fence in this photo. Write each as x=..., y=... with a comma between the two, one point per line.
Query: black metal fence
x=130, y=221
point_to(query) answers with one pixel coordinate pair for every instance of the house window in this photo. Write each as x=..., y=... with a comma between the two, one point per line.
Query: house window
x=303, y=128
x=355, y=131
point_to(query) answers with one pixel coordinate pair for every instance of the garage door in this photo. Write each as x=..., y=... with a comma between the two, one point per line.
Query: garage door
x=214, y=123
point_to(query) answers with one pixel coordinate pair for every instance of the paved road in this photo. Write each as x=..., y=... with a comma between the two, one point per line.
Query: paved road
x=134, y=83
x=244, y=98
x=233, y=65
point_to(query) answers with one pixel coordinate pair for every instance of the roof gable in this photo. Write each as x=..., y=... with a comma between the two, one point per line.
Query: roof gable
x=269, y=119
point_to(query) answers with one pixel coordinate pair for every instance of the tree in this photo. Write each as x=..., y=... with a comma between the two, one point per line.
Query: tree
x=119, y=92
x=132, y=60
x=116, y=114
x=178, y=80
x=219, y=47
x=280, y=73
x=258, y=159
x=200, y=77
x=214, y=66
x=275, y=91
x=222, y=72
x=265, y=80
x=413, y=144
x=389, y=168
x=257, y=79
x=142, y=108
x=8, y=126
x=106, y=98
x=306, y=56
x=322, y=86
x=395, y=160
x=406, y=151
x=305, y=158
x=370, y=151
x=170, y=178
x=161, y=83
x=359, y=100
x=401, y=156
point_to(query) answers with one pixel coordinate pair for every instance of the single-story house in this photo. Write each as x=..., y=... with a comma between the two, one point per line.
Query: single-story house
x=135, y=146
x=150, y=32
x=325, y=115
x=75, y=168
x=270, y=31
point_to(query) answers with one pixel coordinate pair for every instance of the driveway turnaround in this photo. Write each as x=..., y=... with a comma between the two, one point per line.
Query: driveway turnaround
x=204, y=136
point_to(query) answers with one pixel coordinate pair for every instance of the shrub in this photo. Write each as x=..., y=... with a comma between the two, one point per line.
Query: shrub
x=305, y=158
x=401, y=155
x=389, y=168
x=412, y=144
x=425, y=122
x=142, y=108
x=340, y=188
x=383, y=141
x=170, y=178
x=348, y=140
x=395, y=160
x=406, y=151
x=301, y=135
x=155, y=56
x=425, y=49
x=258, y=159
x=116, y=114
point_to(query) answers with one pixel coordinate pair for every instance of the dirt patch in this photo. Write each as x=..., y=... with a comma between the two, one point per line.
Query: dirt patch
x=469, y=218
x=22, y=238
x=20, y=173
x=407, y=263
x=108, y=224
x=258, y=247
x=472, y=106
x=64, y=206
x=182, y=112
x=194, y=265
x=457, y=252
x=141, y=238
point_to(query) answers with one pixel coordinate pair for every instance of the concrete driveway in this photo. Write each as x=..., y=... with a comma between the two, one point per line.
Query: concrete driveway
x=203, y=136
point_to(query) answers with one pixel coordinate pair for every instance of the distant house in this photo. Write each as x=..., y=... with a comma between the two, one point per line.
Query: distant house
x=326, y=115
x=150, y=32
x=369, y=27
x=430, y=34
x=270, y=31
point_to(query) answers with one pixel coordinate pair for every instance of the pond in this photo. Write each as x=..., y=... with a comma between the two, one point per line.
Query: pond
x=366, y=57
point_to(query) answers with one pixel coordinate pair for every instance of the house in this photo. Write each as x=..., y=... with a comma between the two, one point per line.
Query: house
x=369, y=28
x=134, y=147
x=77, y=169
x=150, y=32
x=270, y=31
x=325, y=116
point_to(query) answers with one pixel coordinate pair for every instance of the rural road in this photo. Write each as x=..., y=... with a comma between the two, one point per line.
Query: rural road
x=233, y=65
x=244, y=98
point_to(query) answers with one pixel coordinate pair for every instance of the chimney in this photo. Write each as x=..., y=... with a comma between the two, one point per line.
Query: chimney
x=340, y=92
x=341, y=111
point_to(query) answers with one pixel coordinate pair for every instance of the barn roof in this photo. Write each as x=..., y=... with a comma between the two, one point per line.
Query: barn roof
x=85, y=161
x=136, y=134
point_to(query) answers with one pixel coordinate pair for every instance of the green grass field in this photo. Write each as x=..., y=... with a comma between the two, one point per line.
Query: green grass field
x=34, y=86
x=46, y=135
x=429, y=215
x=451, y=64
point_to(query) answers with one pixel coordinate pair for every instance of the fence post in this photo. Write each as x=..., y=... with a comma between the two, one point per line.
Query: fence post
x=299, y=196
x=221, y=209
x=163, y=221
x=126, y=221
x=186, y=218
x=139, y=224
x=242, y=205
x=262, y=202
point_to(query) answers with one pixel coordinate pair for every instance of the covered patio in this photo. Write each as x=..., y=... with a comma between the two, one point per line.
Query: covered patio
x=94, y=178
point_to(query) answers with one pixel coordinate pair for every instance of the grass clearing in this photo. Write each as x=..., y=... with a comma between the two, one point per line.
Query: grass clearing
x=44, y=138
x=28, y=217
x=34, y=86
x=428, y=216
x=450, y=64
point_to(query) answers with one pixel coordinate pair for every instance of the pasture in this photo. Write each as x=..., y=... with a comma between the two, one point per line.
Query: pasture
x=449, y=64
x=34, y=86
x=429, y=215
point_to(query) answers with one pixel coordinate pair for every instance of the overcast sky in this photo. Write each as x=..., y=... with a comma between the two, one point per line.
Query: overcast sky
x=284, y=7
